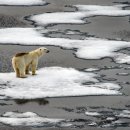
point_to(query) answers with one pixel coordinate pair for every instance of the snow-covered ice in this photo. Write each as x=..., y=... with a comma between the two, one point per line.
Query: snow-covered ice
x=78, y=16
x=54, y=82
x=58, y=17
x=92, y=69
x=90, y=48
x=96, y=10
x=109, y=118
x=123, y=74
x=123, y=58
x=124, y=114
x=108, y=86
x=22, y=2
x=92, y=113
x=27, y=119
x=19, y=115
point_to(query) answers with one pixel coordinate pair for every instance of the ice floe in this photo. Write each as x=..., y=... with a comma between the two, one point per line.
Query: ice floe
x=123, y=74
x=90, y=48
x=92, y=113
x=100, y=119
x=124, y=114
x=92, y=69
x=78, y=16
x=54, y=82
x=114, y=113
x=27, y=119
x=58, y=17
x=108, y=86
x=96, y=10
x=22, y=2
x=109, y=118
x=123, y=58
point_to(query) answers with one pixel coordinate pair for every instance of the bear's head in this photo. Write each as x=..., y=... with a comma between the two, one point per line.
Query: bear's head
x=41, y=51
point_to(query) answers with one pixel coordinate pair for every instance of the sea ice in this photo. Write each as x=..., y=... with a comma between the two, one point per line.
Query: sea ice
x=90, y=48
x=124, y=114
x=54, y=82
x=84, y=11
x=92, y=113
x=92, y=69
x=58, y=17
x=123, y=58
x=22, y=2
x=27, y=119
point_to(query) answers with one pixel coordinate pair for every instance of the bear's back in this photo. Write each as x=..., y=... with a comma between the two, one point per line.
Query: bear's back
x=21, y=54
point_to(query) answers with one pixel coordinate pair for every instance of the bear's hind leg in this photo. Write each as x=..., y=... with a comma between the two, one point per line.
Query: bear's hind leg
x=15, y=68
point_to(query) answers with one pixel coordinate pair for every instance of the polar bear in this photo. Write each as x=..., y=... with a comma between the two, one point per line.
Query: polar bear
x=21, y=62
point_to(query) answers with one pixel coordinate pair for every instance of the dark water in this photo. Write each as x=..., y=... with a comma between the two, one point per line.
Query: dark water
x=72, y=108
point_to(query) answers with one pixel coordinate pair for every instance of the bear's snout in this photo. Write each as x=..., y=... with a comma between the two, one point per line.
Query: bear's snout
x=47, y=51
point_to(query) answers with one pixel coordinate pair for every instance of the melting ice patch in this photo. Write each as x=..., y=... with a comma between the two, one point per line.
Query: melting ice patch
x=124, y=114
x=109, y=118
x=92, y=113
x=92, y=69
x=27, y=119
x=96, y=10
x=90, y=48
x=78, y=17
x=58, y=17
x=54, y=82
x=22, y=2
x=123, y=58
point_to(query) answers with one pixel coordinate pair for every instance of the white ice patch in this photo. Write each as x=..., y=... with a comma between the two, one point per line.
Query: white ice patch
x=123, y=58
x=19, y=115
x=26, y=119
x=54, y=82
x=98, y=10
x=78, y=17
x=22, y=2
x=92, y=69
x=92, y=113
x=58, y=17
x=93, y=124
x=110, y=118
x=123, y=74
x=99, y=7
x=90, y=48
x=124, y=114
x=108, y=86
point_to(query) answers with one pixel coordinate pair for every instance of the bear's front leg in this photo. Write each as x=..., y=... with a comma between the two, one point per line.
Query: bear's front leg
x=27, y=69
x=34, y=67
x=17, y=72
x=22, y=72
